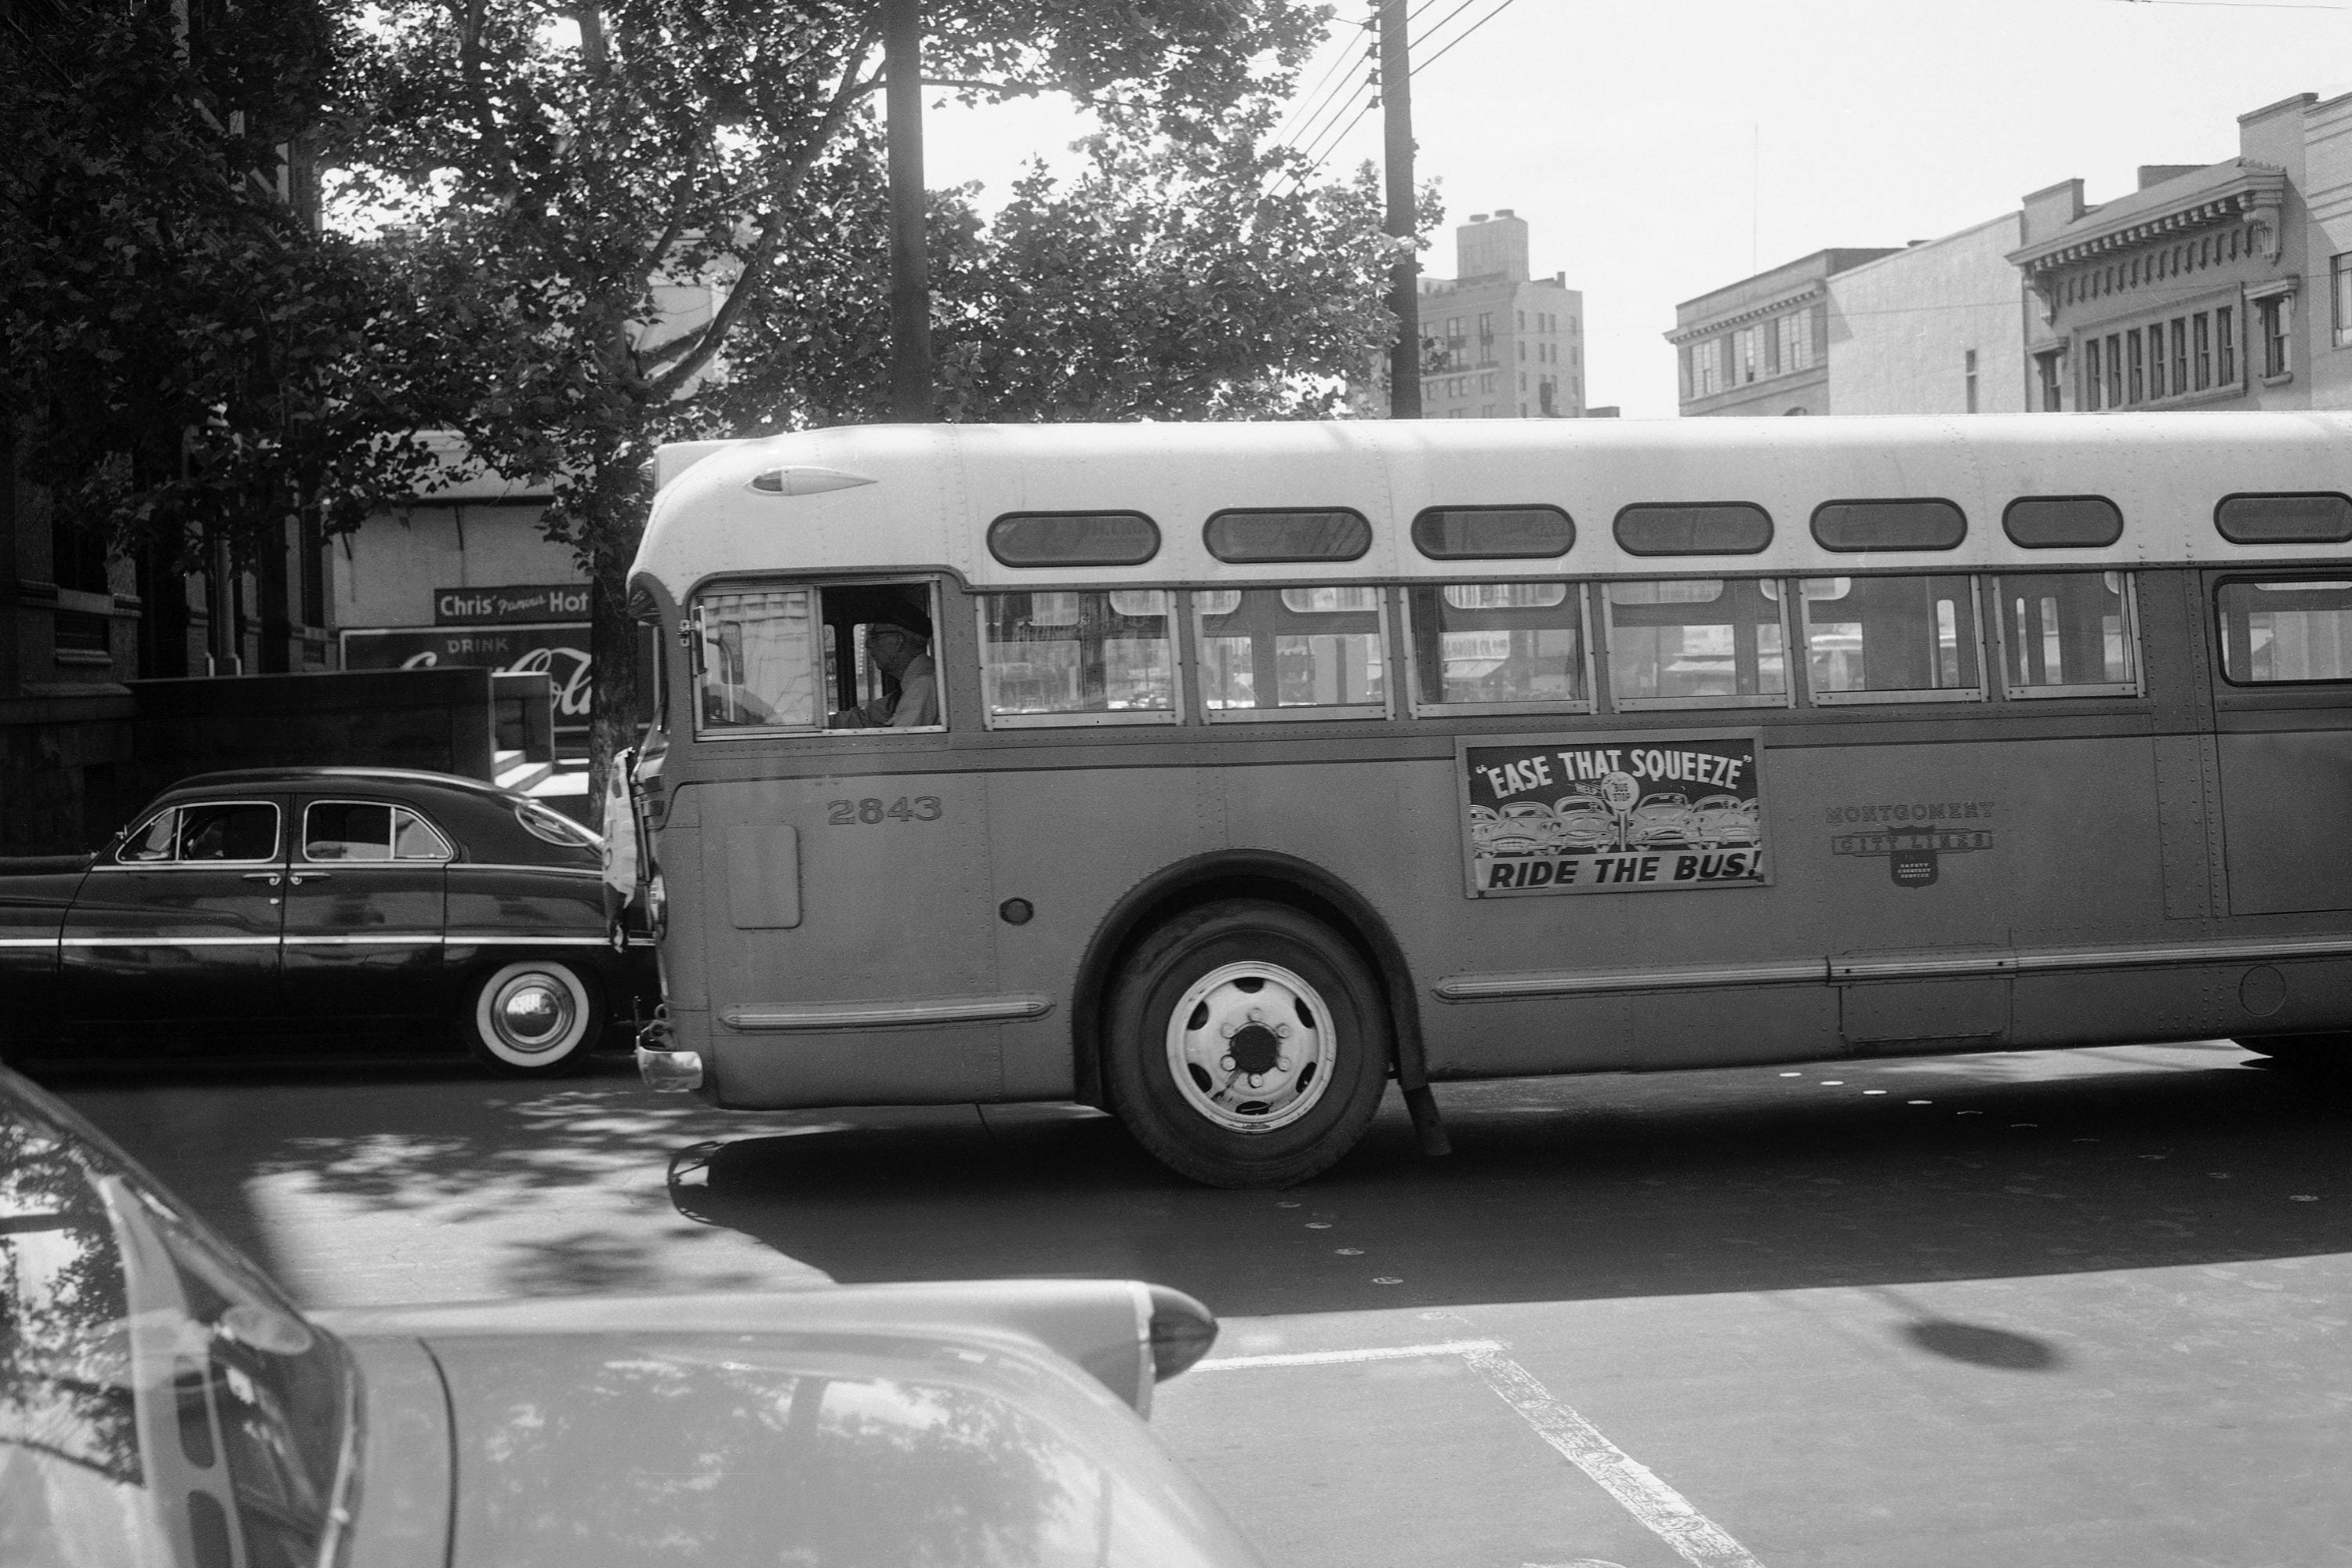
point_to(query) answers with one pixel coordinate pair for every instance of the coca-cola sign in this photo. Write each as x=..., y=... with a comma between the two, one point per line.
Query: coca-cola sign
x=559, y=652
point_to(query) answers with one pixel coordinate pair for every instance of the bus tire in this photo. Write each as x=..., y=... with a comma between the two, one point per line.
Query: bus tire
x=2319, y=1054
x=1225, y=988
x=536, y=1018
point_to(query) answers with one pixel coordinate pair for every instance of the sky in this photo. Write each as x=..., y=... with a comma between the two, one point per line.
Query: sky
x=1661, y=149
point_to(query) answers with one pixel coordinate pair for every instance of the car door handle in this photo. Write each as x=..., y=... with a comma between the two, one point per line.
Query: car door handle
x=299, y=877
x=269, y=877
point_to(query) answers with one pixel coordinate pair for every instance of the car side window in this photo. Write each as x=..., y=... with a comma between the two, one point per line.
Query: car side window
x=230, y=832
x=346, y=830
x=414, y=838
x=367, y=830
x=152, y=842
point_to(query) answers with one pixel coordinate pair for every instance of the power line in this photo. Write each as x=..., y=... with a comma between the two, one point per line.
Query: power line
x=1346, y=52
x=1337, y=105
x=1429, y=32
x=1459, y=36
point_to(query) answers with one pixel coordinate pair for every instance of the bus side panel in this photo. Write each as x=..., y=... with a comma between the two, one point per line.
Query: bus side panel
x=1070, y=842
x=2286, y=816
x=879, y=859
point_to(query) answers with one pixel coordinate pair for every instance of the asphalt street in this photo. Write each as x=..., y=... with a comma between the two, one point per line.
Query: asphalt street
x=2081, y=1307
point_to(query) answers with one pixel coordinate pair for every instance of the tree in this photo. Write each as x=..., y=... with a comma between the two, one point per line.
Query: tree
x=555, y=163
x=183, y=359
x=1171, y=278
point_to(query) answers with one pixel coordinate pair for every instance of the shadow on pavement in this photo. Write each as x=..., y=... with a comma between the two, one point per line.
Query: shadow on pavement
x=1596, y=1187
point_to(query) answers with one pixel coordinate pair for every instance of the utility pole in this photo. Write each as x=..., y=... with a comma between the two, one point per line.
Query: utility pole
x=910, y=272
x=1404, y=289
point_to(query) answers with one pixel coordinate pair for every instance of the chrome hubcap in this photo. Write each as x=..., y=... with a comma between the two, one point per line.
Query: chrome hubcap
x=533, y=1012
x=1250, y=1047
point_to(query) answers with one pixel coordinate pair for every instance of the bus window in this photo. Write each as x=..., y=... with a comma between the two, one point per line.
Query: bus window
x=2063, y=523
x=1865, y=525
x=842, y=656
x=1697, y=642
x=2285, y=630
x=1891, y=640
x=1498, y=647
x=1065, y=657
x=1294, y=653
x=2067, y=634
x=2321, y=518
x=1710, y=527
x=1074, y=539
x=1492, y=532
x=1266, y=536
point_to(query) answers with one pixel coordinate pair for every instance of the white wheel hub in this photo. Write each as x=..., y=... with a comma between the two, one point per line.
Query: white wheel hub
x=1251, y=1046
x=530, y=1014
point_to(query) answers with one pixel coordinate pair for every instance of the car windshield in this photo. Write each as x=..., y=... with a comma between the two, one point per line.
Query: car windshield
x=160, y=1405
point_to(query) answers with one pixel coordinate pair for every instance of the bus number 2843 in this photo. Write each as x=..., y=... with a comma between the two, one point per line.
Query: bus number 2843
x=851, y=813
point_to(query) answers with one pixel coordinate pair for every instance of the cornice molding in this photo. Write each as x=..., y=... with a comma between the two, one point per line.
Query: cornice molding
x=2254, y=197
x=1773, y=307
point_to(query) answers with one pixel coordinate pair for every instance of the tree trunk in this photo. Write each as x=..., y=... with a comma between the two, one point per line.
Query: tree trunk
x=618, y=705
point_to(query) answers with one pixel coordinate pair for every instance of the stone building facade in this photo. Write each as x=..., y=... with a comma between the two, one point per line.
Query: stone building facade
x=1932, y=328
x=1760, y=346
x=2223, y=284
x=1498, y=344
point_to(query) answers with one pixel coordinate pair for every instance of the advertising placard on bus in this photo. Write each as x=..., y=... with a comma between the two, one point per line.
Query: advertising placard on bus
x=1611, y=814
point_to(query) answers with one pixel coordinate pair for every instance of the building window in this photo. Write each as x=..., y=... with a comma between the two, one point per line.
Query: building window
x=2154, y=360
x=2136, y=385
x=2179, y=356
x=2225, y=348
x=2339, y=276
x=2046, y=365
x=1969, y=375
x=2277, y=314
x=2094, y=385
x=2202, y=332
x=1706, y=368
x=1794, y=334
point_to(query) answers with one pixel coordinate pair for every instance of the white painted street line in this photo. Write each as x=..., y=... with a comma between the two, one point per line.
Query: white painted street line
x=1338, y=1358
x=1661, y=1508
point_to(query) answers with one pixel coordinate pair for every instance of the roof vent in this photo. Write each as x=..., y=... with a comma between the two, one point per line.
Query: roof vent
x=805, y=482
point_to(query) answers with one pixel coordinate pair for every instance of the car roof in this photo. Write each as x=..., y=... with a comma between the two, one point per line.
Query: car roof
x=481, y=813
x=294, y=775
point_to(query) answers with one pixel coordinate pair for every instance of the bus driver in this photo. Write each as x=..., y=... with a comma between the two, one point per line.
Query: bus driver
x=899, y=645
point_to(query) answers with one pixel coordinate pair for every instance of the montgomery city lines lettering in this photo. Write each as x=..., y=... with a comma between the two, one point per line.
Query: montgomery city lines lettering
x=1916, y=811
x=1587, y=764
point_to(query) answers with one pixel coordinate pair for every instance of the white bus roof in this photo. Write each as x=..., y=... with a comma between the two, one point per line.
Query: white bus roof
x=880, y=498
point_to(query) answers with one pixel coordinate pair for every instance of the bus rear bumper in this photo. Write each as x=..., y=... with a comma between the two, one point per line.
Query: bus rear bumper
x=672, y=1073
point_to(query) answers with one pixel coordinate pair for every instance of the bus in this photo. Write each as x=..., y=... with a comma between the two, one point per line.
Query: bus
x=1217, y=775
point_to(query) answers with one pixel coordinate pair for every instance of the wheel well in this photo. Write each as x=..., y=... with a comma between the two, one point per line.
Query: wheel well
x=1274, y=878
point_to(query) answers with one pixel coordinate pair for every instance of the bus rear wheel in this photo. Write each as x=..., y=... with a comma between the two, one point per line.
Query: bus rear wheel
x=1247, y=1045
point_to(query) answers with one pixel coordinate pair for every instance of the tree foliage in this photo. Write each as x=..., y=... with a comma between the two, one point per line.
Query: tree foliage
x=182, y=357
x=553, y=168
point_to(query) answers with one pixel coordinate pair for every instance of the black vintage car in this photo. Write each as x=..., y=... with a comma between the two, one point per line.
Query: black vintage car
x=322, y=901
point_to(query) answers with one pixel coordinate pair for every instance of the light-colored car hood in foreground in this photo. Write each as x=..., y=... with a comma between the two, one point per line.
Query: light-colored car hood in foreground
x=822, y=1448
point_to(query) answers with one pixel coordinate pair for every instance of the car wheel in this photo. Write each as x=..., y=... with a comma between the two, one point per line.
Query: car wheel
x=2318, y=1055
x=1247, y=1045
x=535, y=1018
